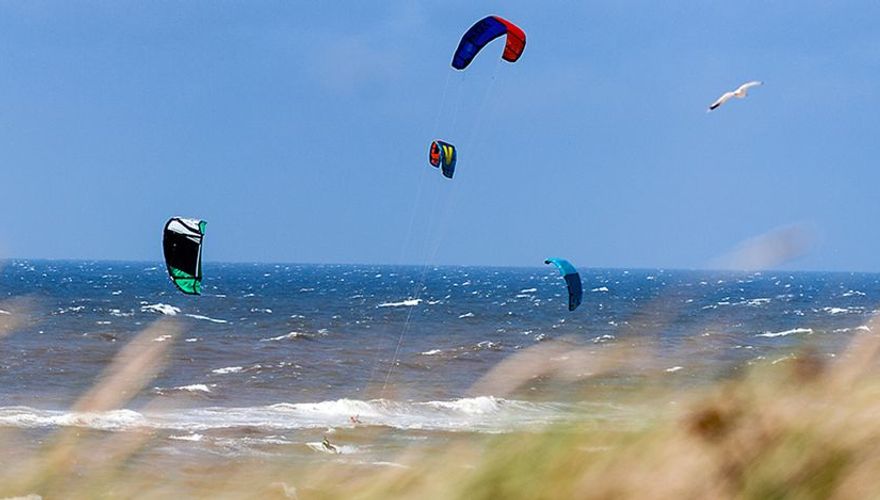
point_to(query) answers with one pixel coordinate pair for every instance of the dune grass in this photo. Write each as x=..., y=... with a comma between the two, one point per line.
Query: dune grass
x=805, y=427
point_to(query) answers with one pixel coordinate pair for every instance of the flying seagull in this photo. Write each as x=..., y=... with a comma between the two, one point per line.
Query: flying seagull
x=739, y=93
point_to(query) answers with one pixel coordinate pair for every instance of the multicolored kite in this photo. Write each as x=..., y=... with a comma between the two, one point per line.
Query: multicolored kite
x=484, y=31
x=443, y=155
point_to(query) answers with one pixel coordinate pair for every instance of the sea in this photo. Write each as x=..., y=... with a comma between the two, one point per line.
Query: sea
x=274, y=358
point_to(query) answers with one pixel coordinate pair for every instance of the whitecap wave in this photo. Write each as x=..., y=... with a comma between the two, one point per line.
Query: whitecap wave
x=471, y=406
x=227, y=370
x=487, y=345
x=206, y=318
x=861, y=328
x=785, y=332
x=193, y=388
x=161, y=308
x=288, y=336
x=188, y=437
x=402, y=303
x=70, y=309
x=834, y=310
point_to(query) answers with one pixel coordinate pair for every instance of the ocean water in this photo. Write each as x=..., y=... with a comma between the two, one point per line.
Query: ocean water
x=272, y=358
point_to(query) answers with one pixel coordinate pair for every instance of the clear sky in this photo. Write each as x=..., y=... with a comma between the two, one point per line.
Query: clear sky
x=299, y=131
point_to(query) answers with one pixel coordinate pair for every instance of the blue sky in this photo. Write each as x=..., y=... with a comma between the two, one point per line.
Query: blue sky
x=299, y=131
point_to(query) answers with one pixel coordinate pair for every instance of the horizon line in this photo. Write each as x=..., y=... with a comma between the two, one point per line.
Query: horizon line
x=428, y=266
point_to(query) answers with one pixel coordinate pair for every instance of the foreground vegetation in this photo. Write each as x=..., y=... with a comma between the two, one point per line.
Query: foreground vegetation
x=804, y=427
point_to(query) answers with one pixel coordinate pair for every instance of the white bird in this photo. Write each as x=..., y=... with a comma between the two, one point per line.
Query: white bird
x=739, y=93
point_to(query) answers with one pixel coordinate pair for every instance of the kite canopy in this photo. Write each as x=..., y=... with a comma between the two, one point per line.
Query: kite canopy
x=484, y=31
x=443, y=155
x=572, y=279
x=182, y=243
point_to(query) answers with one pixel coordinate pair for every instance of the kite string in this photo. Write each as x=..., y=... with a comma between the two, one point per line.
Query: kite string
x=400, y=258
x=428, y=256
x=470, y=139
x=440, y=108
x=432, y=249
x=418, y=289
x=457, y=102
x=415, y=209
x=415, y=206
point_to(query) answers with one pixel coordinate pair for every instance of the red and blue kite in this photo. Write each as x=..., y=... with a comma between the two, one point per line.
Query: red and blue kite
x=484, y=31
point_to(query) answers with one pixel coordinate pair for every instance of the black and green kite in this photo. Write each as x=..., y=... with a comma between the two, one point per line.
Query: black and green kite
x=182, y=242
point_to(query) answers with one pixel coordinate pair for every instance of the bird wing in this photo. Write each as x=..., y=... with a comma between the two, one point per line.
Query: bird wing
x=746, y=86
x=721, y=100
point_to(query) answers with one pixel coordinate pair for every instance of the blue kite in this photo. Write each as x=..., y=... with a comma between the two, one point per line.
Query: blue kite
x=572, y=279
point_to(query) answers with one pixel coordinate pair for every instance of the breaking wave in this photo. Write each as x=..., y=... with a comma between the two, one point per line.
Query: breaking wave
x=478, y=414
